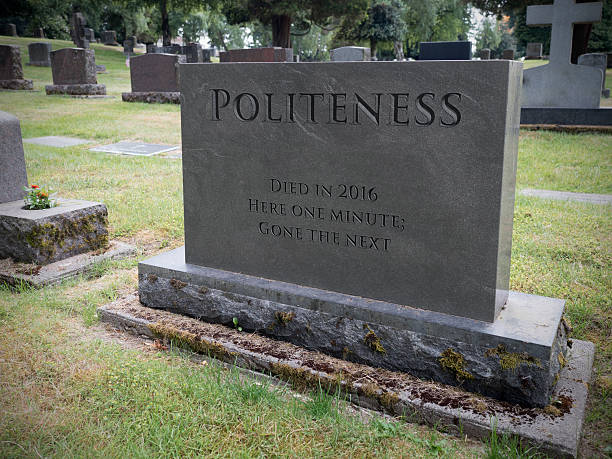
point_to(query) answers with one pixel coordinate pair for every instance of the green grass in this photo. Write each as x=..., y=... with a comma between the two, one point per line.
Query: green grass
x=68, y=390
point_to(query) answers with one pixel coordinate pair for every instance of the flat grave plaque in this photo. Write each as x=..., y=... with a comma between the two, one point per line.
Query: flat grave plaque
x=57, y=141
x=135, y=148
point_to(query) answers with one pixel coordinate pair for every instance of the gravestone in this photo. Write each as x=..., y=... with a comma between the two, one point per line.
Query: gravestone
x=561, y=84
x=109, y=37
x=485, y=54
x=193, y=52
x=74, y=73
x=40, y=54
x=154, y=78
x=174, y=48
x=151, y=48
x=599, y=61
x=39, y=33
x=445, y=51
x=9, y=30
x=89, y=34
x=13, y=175
x=363, y=210
x=257, y=55
x=508, y=54
x=534, y=51
x=11, y=71
x=128, y=45
x=350, y=53
x=77, y=30
x=206, y=55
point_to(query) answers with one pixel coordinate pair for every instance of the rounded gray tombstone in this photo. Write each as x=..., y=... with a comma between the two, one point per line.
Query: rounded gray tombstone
x=40, y=54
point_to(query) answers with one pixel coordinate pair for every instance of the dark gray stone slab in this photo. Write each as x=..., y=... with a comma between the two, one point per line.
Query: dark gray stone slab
x=414, y=206
x=9, y=30
x=485, y=54
x=445, y=51
x=376, y=333
x=13, y=175
x=40, y=54
x=73, y=66
x=350, y=53
x=193, y=53
x=135, y=148
x=155, y=72
x=591, y=198
x=11, y=71
x=49, y=235
x=534, y=51
x=567, y=116
x=109, y=37
x=57, y=141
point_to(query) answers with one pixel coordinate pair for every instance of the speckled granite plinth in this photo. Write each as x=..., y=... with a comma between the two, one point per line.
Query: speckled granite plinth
x=76, y=89
x=517, y=358
x=17, y=84
x=152, y=97
x=49, y=235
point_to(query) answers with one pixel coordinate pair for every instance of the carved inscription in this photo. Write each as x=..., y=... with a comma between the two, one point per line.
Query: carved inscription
x=362, y=227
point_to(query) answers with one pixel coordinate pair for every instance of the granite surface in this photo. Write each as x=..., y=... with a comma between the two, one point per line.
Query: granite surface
x=445, y=50
x=40, y=54
x=73, y=66
x=13, y=175
x=155, y=73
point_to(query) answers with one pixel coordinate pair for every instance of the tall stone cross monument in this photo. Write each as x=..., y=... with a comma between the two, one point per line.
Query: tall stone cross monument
x=560, y=83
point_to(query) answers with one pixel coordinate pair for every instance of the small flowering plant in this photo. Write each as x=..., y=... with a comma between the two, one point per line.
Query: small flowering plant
x=38, y=198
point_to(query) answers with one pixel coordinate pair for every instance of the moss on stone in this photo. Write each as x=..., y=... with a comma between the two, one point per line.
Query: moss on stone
x=512, y=360
x=562, y=360
x=178, y=284
x=373, y=341
x=454, y=362
x=191, y=341
x=283, y=318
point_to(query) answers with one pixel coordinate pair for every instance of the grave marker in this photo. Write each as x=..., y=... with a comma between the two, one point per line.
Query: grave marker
x=350, y=53
x=11, y=71
x=599, y=61
x=109, y=37
x=485, y=54
x=9, y=30
x=445, y=51
x=534, y=51
x=77, y=30
x=40, y=54
x=257, y=55
x=154, y=78
x=13, y=175
x=74, y=73
x=508, y=54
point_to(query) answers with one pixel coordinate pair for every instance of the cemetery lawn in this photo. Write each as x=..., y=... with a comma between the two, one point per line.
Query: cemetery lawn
x=70, y=387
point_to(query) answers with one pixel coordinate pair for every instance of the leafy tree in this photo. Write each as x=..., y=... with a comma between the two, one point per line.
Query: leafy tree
x=489, y=36
x=314, y=45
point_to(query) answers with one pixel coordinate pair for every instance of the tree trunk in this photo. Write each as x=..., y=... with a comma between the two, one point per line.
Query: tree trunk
x=281, y=31
x=165, y=24
x=373, y=44
x=580, y=40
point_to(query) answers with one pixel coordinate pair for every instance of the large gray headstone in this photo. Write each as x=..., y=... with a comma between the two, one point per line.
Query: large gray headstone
x=599, y=61
x=534, y=51
x=155, y=72
x=13, y=175
x=73, y=66
x=390, y=181
x=40, y=54
x=561, y=84
x=350, y=53
x=445, y=51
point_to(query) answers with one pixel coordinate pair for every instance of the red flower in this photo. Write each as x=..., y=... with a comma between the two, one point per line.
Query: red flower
x=35, y=186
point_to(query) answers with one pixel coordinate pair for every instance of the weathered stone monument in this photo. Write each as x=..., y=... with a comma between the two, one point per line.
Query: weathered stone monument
x=154, y=79
x=11, y=71
x=350, y=53
x=534, y=51
x=508, y=54
x=40, y=54
x=89, y=34
x=128, y=45
x=74, y=73
x=77, y=30
x=39, y=33
x=193, y=52
x=599, y=61
x=109, y=37
x=561, y=84
x=485, y=54
x=257, y=55
x=9, y=30
x=403, y=175
x=445, y=51
x=206, y=53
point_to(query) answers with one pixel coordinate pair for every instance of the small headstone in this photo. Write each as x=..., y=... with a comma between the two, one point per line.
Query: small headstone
x=9, y=30
x=128, y=46
x=89, y=34
x=600, y=61
x=350, y=53
x=174, y=48
x=561, y=84
x=154, y=78
x=152, y=48
x=135, y=148
x=40, y=54
x=11, y=71
x=508, y=54
x=74, y=73
x=77, y=30
x=485, y=54
x=100, y=68
x=39, y=33
x=193, y=52
x=206, y=55
x=109, y=37
x=13, y=175
x=445, y=51
x=534, y=51
x=257, y=55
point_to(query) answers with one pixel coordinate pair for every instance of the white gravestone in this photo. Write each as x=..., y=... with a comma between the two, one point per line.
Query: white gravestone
x=561, y=84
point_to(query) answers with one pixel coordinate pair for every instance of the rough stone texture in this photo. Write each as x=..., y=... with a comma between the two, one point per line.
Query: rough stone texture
x=11, y=72
x=451, y=188
x=13, y=175
x=567, y=116
x=591, y=198
x=458, y=412
x=508, y=54
x=257, y=55
x=109, y=37
x=9, y=30
x=485, y=54
x=49, y=235
x=152, y=97
x=73, y=66
x=77, y=30
x=155, y=73
x=599, y=61
x=40, y=54
x=76, y=89
x=193, y=53
x=445, y=51
x=16, y=273
x=350, y=53
x=529, y=330
x=561, y=84
x=534, y=51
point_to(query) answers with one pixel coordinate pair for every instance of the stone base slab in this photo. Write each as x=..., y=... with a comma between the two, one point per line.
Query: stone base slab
x=14, y=273
x=152, y=97
x=554, y=430
x=17, y=84
x=49, y=235
x=76, y=89
x=517, y=358
x=566, y=116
